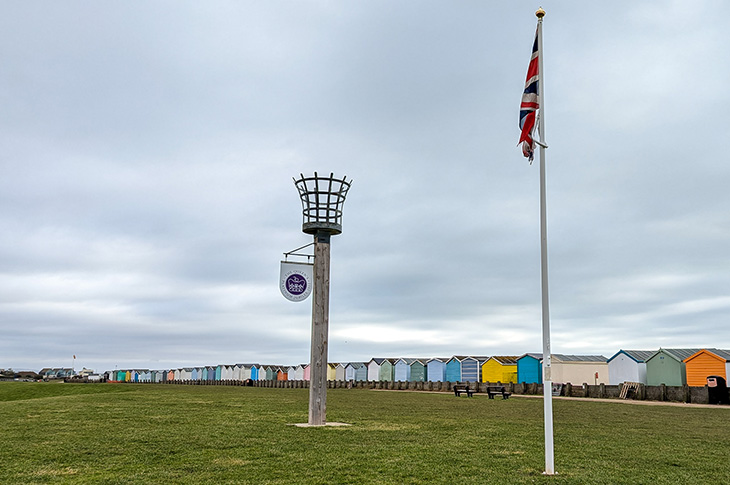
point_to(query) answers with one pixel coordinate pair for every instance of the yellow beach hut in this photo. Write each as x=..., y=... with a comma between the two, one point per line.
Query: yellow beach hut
x=500, y=368
x=332, y=371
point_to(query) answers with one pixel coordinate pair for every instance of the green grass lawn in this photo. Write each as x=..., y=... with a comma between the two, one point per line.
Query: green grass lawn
x=117, y=433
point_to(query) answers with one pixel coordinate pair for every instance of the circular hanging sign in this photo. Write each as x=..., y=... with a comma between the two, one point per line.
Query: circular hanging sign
x=295, y=280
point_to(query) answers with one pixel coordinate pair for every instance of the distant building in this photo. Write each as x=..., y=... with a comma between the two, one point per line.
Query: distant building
x=85, y=372
x=580, y=369
x=27, y=375
x=56, y=372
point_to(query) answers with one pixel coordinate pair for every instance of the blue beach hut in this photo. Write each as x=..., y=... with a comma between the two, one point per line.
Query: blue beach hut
x=453, y=369
x=402, y=369
x=436, y=369
x=529, y=368
x=471, y=368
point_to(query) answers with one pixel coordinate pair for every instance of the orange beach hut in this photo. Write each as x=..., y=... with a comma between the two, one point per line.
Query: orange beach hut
x=707, y=362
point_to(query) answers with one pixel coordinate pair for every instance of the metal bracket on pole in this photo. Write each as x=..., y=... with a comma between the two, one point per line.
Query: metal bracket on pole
x=294, y=252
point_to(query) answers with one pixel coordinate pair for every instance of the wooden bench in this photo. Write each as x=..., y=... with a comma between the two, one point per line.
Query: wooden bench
x=494, y=390
x=458, y=389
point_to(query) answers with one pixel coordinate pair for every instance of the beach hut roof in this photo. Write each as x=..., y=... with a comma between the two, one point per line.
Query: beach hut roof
x=382, y=361
x=677, y=354
x=534, y=355
x=506, y=359
x=462, y=358
x=639, y=356
x=579, y=358
x=723, y=354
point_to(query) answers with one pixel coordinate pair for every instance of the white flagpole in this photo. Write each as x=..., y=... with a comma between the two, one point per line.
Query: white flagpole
x=547, y=381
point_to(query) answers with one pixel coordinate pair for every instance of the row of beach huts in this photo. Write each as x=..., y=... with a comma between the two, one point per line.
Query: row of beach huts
x=671, y=367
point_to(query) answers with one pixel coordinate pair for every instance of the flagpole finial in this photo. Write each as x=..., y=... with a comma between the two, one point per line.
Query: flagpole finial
x=540, y=13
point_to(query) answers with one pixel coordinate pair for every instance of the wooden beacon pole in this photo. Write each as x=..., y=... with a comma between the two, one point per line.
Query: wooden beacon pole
x=322, y=201
x=320, y=331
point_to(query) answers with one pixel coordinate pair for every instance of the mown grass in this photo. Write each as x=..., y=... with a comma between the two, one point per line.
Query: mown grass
x=115, y=433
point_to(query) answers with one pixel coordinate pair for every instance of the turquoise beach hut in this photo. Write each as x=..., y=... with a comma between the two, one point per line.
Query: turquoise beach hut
x=529, y=368
x=453, y=369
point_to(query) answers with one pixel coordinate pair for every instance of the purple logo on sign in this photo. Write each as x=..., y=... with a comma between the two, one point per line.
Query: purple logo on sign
x=296, y=285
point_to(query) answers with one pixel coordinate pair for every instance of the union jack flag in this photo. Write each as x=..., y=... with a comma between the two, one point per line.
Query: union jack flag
x=530, y=105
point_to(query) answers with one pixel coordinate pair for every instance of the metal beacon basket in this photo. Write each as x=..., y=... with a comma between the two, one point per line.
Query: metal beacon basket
x=322, y=201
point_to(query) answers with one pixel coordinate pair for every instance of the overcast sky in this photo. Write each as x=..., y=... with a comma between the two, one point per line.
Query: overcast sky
x=148, y=150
